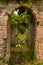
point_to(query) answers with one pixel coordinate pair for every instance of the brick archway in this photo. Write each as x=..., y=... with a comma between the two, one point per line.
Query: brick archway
x=37, y=16
x=8, y=10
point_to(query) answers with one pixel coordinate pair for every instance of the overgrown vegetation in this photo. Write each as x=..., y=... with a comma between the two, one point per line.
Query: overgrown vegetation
x=20, y=33
x=20, y=20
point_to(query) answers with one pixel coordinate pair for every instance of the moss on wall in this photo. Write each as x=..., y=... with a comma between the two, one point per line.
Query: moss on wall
x=19, y=1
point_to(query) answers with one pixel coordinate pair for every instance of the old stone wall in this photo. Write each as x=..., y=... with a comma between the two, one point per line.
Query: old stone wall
x=5, y=11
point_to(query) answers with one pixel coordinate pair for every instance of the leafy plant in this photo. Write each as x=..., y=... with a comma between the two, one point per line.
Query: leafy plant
x=21, y=37
x=17, y=20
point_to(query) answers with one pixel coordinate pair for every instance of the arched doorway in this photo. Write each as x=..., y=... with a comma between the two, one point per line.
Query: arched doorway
x=22, y=36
